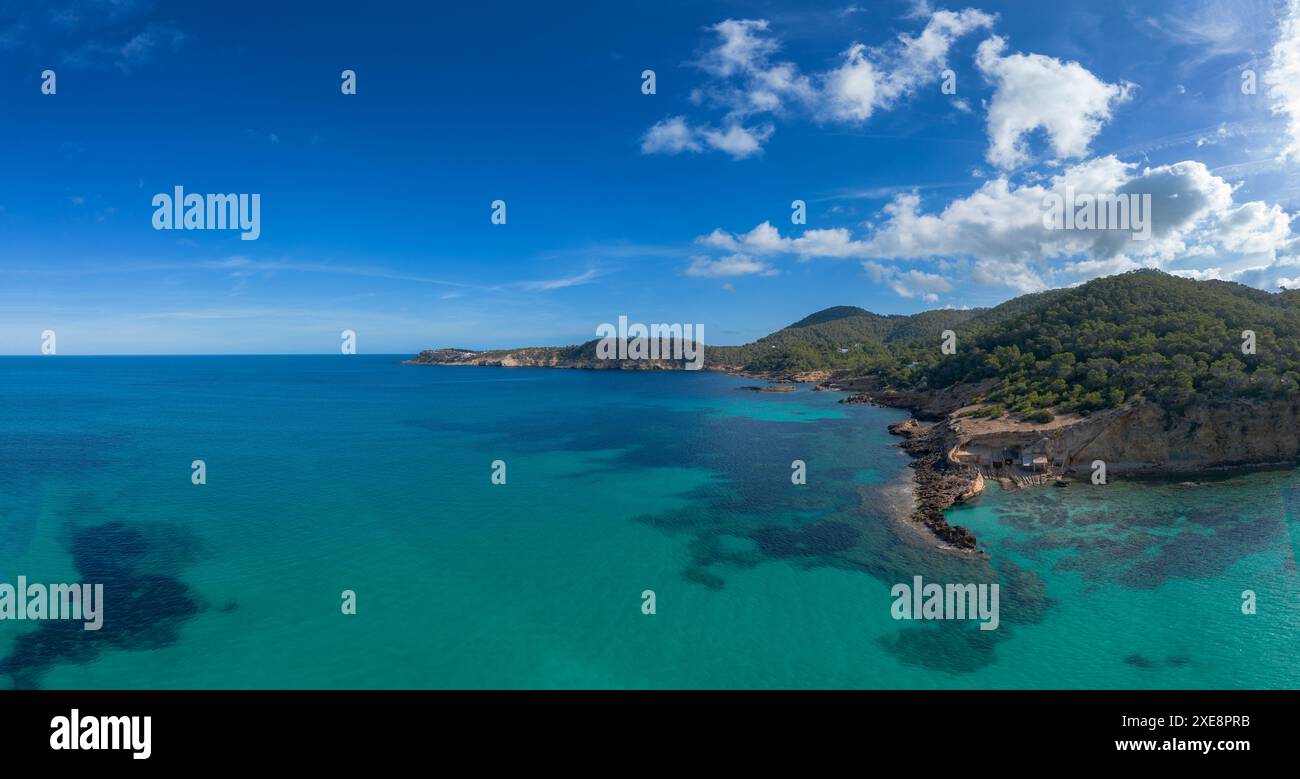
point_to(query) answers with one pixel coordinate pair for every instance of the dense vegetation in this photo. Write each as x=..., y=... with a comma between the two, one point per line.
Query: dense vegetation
x=844, y=338
x=1143, y=334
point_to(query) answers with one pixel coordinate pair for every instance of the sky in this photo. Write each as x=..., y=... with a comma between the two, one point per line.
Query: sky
x=922, y=139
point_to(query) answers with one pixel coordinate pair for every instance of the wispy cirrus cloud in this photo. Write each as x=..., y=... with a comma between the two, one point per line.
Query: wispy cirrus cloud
x=244, y=268
x=124, y=34
x=126, y=53
x=1212, y=28
x=545, y=285
x=1283, y=77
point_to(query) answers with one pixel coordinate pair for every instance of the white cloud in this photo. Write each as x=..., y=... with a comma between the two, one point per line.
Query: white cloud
x=674, y=136
x=1207, y=274
x=550, y=284
x=764, y=239
x=744, y=48
x=737, y=141
x=924, y=57
x=860, y=85
x=747, y=82
x=730, y=265
x=1283, y=77
x=1034, y=92
x=996, y=235
x=910, y=283
x=1282, y=271
x=1194, y=220
x=850, y=89
x=669, y=136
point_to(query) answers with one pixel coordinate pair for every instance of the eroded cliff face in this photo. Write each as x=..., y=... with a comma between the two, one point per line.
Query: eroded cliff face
x=1145, y=437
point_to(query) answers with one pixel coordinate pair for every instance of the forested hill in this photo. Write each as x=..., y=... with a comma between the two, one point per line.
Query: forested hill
x=1143, y=334
x=843, y=338
x=1140, y=335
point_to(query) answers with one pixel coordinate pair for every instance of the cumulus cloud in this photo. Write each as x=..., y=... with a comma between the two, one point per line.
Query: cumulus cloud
x=1277, y=269
x=743, y=47
x=674, y=136
x=1194, y=220
x=850, y=92
x=765, y=239
x=669, y=136
x=748, y=84
x=997, y=235
x=732, y=265
x=908, y=283
x=1283, y=77
x=739, y=142
x=923, y=57
x=1035, y=92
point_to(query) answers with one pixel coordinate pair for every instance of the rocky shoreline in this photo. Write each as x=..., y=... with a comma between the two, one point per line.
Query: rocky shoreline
x=1134, y=439
x=940, y=483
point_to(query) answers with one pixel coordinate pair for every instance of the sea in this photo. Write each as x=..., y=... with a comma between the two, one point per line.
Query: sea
x=367, y=524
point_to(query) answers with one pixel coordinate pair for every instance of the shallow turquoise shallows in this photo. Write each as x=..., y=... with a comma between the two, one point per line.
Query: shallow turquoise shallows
x=335, y=473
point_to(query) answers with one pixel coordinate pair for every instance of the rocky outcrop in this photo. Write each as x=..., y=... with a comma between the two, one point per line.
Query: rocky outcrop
x=1140, y=438
x=811, y=377
x=924, y=404
x=905, y=428
x=1146, y=437
x=770, y=388
x=940, y=482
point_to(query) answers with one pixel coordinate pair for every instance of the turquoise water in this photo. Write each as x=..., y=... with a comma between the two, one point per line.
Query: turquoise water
x=336, y=473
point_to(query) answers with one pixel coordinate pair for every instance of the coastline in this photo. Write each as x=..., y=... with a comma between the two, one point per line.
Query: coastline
x=1140, y=439
x=940, y=483
x=937, y=483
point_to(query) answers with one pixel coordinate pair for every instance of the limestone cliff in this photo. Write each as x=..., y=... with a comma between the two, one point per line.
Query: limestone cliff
x=952, y=455
x=1145, y=437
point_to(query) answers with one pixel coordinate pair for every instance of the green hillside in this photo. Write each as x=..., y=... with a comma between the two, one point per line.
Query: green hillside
x=1143, y=334
x=1140, y=335
x=843, y=338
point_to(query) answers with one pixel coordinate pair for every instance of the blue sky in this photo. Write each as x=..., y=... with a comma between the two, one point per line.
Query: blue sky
x=671, y=207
